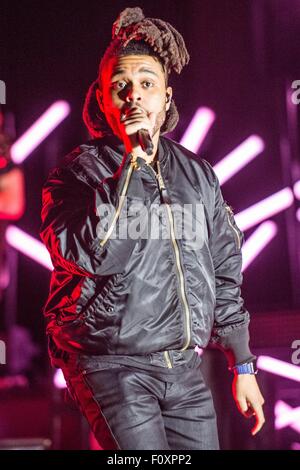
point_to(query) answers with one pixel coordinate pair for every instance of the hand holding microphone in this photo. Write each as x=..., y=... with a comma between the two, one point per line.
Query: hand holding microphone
x=138, y=126
x=145, y=141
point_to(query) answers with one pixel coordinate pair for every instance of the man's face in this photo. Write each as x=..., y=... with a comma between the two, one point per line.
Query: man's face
x=134, y=95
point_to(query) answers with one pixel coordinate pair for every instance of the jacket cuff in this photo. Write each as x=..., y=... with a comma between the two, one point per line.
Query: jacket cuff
x=236, y=347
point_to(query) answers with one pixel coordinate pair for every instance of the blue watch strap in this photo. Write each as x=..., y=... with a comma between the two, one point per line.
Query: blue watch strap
x=246, y=368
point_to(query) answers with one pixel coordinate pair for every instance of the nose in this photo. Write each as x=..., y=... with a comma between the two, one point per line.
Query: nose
x=132, y=95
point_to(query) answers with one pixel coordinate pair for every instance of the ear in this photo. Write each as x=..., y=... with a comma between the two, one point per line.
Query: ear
x=169, y=94
x=99, y=97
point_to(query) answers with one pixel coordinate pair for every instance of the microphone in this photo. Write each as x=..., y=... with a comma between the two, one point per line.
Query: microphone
x=145, y=141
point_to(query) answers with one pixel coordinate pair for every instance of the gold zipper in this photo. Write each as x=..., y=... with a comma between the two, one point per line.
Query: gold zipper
x=168, y=360
x=177, y=257
x=230, y=212
x=120, y=205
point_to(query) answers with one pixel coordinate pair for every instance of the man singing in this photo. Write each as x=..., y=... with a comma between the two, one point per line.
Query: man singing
x=131, y=295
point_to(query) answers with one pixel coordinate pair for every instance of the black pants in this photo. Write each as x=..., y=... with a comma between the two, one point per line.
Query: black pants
x=133, y=408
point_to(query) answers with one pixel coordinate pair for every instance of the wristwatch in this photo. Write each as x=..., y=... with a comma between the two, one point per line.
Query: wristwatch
x=246, y=368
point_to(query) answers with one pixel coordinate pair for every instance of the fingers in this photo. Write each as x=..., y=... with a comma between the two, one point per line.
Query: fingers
x=249, y=399
x=255, y=409
x=134, y=120
x=249, y=413
x=132, y=114
x=260, y=418
x=242, y=406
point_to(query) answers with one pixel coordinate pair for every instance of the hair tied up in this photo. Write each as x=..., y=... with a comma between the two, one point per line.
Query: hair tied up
x=127, y=17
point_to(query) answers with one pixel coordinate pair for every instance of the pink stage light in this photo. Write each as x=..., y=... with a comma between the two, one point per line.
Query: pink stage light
x=285, y=416
x=239, y=157
x=28, y=246
x=298, y=214
x=38, y=132
x=198, y=128
x=264, y=209
x=296, y=189
x=59, y=380
x=257, y=242
x=198, y=350
x=278, y=367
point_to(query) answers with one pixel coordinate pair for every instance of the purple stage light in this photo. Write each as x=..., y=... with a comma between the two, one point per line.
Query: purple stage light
x=278, y=367
x=264, y=209
x=198, y=129
x=59, y=380
x=296, y=189
x=239, y=157
x=285, y=416
x=198, y=350
x=257, y=242
x=29, y=246
x=38, y=132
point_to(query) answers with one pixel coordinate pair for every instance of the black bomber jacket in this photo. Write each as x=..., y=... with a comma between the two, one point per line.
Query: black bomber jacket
x=135, y=295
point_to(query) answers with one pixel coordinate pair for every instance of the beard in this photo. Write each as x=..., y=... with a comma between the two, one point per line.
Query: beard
x=159, y=121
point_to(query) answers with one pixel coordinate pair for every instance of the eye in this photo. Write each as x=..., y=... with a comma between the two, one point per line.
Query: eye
x=120, y=85
x=147, y=84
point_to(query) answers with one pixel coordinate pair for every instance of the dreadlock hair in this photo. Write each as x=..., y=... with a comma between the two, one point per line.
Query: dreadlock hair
x=133, y=34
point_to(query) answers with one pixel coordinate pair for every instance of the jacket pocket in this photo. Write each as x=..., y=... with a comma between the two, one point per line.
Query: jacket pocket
x=102, y=300
x=68, y=316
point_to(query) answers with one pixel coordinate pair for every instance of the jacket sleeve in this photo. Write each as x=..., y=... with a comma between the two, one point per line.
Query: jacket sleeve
x=230, y=331
x=70, y=226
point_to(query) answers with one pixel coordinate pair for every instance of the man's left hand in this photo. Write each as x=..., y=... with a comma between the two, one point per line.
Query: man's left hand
x=249, y=399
